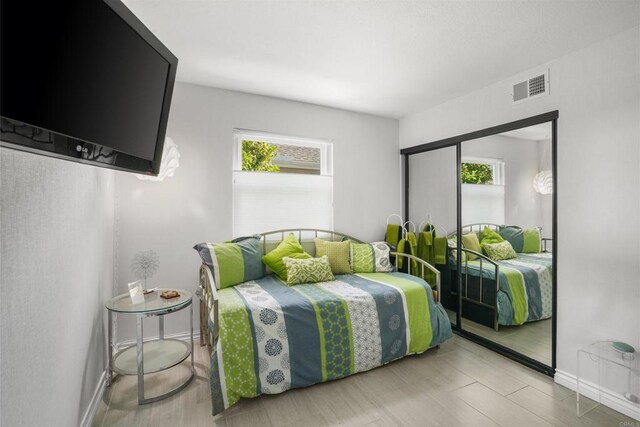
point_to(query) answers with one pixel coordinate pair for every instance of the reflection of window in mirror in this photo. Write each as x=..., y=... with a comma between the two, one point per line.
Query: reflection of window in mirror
x=483, y=190
x=482, y=170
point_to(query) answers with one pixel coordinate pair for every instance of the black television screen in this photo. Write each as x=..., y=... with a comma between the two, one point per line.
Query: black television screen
x=84, y=80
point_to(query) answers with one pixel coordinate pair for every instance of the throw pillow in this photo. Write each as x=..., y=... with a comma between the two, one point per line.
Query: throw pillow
x=499, y=251
x=490, y=236
x=233, y=262
x=370, y=258
x=532, y=241
x=470, y=241
x=310, y=270
x=286, y=248
x=452, y=244
x=513, y=235
x=338, y=254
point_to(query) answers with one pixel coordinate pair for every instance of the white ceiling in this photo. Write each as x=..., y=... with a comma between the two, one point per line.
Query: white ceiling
x=537, y=132
x=389, y=58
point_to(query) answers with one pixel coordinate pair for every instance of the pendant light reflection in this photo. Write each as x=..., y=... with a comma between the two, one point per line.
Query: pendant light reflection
x=543, y=182
x=169, y=163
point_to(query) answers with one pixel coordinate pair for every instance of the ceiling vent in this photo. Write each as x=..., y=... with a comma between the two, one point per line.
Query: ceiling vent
x=533, y=87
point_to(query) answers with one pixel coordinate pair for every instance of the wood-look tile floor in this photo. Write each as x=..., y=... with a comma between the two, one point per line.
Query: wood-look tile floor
x=459, y=384
x=532, y=339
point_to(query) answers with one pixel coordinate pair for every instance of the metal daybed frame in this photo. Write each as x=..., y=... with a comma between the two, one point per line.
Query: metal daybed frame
x=480, y=294
x=209, y=325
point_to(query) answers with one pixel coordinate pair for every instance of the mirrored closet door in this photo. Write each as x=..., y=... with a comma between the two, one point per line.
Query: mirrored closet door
x=507, y=229
x=490, y=195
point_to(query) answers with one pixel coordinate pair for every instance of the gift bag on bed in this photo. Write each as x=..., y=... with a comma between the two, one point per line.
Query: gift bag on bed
x=393, y=233
x=406, y=247
x=426, y=252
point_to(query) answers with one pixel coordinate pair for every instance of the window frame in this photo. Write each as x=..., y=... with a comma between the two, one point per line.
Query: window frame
x=325, y=147
x=242, y=224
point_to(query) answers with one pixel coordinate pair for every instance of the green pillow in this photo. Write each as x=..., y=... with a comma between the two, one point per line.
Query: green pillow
x=233, y=262
x=310, y=270
x=513, y=235
x=490, y=236
x=286, y=248
x=532, y=241
x=499, y=251
x=470, y=241
x=338, y=254
x=370, y=257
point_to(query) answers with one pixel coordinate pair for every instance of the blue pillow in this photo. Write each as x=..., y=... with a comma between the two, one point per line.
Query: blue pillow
x=513, y=235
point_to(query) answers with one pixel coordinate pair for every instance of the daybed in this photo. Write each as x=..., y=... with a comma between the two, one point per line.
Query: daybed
x=267, y=337
x=522, y=294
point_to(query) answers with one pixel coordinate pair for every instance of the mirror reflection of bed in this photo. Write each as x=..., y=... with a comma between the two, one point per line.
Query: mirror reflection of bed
x=507, y=229
x=506, y=200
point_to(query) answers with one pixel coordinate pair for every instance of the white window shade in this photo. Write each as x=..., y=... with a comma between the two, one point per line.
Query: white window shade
x=273, y=201
x=482, y=204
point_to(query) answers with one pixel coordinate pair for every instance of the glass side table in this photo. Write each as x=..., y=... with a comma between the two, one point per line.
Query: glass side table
x=145, y=357
x=610, y=364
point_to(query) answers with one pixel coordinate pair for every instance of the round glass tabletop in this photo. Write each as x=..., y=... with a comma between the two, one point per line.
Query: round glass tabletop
x=152, y=302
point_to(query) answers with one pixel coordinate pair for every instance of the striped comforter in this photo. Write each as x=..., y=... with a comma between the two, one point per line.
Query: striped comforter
x=274, y=337
x=525, y=292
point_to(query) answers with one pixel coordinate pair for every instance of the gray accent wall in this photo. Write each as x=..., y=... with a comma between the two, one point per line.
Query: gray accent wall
x=56, y=268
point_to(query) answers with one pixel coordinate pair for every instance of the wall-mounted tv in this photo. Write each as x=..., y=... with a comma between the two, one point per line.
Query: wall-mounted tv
x=84, y=80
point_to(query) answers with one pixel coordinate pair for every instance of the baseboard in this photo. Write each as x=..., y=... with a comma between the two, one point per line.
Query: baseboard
x=94, y=404
x=608, y=398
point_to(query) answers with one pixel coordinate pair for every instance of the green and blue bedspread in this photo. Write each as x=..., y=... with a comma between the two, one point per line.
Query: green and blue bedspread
x=525, y=291
x=274, y=337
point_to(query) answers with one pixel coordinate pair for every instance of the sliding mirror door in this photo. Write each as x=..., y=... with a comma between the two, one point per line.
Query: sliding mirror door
x=432, y=204
x=507, y=229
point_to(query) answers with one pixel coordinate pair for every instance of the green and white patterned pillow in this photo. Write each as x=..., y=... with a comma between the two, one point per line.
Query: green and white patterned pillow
x=233, y=262
x=310, y=270
x=290, y=247
x=338, y=254
x=370, y=258
x=499, y=251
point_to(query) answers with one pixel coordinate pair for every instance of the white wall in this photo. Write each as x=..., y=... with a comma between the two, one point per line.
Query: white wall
x=432, y=188
x=56, y=221
x=195, y=205
x=597, y=91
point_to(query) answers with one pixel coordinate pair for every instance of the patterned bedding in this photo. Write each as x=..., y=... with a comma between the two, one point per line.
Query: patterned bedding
x=273, y=337
x=525, y=292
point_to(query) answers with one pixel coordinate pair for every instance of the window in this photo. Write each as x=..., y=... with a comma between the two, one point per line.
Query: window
x=480, y=170
x=281, y=182
x=483, y=190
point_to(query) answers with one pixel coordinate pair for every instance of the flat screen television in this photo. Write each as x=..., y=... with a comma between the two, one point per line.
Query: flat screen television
x=84, y=80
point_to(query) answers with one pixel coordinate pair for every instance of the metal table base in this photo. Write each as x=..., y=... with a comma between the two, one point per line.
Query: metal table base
x=140, y=343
